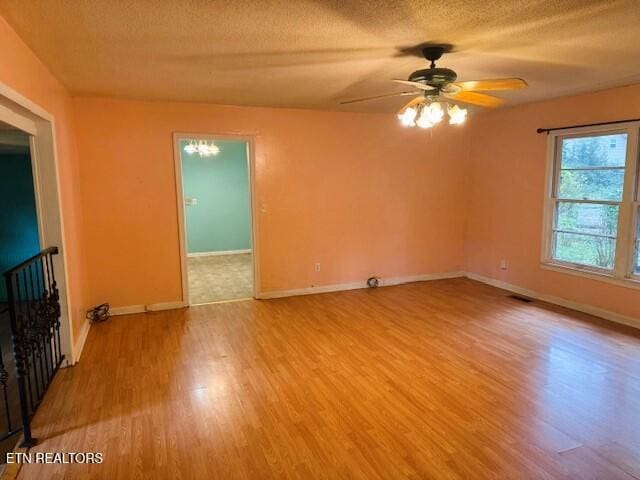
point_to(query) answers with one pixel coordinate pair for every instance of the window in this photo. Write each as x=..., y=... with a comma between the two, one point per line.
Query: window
x=592, y=219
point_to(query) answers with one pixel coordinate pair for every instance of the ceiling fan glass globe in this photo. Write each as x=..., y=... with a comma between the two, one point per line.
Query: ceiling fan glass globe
x=407, y=118
x=423, y=122
x=457, y=115
x=434, y=112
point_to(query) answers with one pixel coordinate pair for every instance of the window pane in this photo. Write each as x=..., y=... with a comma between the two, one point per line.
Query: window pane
x=587, y=218
x=591, y=184
x=597, y=151
x=584, y=250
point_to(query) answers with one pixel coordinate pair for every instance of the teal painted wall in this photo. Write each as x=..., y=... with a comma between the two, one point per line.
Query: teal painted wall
x=19, y=237
x=222, y=218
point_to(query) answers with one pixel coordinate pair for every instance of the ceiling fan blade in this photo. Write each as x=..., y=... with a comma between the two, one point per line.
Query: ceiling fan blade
x=475, y=98
x=375, y=97
x=419, y=85
x=412, y=103
x=493, y=84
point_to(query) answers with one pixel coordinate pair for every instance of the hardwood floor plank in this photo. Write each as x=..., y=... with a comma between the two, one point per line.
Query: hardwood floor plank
x=445, y=379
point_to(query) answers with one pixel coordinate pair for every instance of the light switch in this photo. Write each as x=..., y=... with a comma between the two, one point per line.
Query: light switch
x=188, y=201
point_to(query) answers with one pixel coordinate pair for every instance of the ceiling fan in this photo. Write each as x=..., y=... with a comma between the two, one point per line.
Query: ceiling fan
x=435, y=87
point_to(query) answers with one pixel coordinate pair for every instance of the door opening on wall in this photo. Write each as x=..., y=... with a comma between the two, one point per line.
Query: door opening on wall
x=19, y=240
x=29, y=186
x=218, y=256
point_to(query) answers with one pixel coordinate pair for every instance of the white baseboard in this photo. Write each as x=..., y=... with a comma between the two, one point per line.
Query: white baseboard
x=128, y=310
x=157, y=307
x=311, y=290
x=580, y=307
x=219, y=252
x=384, y=282
x=78, y=346
x=153, y=307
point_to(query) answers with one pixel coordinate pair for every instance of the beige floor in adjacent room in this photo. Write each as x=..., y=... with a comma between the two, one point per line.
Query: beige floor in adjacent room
x=220, y=277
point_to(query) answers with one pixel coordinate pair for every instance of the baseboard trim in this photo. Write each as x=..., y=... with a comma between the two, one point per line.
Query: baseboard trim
x=128, y=310
x=216, y=253
x=153, y=307
x=78, y=346
x=340, y=287
x=580, y=307
x=387, y=282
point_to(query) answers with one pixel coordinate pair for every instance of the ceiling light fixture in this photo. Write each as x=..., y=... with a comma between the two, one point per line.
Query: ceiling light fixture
x=204, y=148
x=457, y=115
x=408, y=117
x=429, y=114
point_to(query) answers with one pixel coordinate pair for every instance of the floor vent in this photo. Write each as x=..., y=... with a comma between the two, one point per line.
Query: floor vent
x=521, y=299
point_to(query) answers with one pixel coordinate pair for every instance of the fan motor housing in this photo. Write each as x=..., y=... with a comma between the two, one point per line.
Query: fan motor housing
x=434, y=76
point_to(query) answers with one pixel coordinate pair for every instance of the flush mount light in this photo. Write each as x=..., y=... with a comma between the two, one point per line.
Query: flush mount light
x=204, y=148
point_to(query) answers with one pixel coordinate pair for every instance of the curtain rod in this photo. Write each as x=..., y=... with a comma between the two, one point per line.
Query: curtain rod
x=547, y=130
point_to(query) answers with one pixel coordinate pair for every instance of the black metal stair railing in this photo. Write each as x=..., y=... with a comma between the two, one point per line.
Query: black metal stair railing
x=33, y=307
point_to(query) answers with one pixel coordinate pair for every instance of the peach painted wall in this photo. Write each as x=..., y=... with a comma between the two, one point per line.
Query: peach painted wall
x=353, y=191
x=506, y=195
x=22, y=71
x=356, y=192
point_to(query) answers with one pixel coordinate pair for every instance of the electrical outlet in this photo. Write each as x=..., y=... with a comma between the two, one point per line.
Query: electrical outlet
x=317, y=267
x=503, y=264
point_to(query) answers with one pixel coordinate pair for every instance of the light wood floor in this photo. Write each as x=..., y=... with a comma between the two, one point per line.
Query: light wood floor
x=446, y=379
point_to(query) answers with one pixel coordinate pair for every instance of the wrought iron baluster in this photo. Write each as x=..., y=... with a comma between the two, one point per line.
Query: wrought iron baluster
x=48, y=279
x=20, y=354
x=28, y=344
x=4, y=376
x=55, y=303
x=35, y=334
x=34, y=316
x=46, y=329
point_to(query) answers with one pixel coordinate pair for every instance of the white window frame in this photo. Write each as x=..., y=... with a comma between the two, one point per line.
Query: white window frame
x=623, y=271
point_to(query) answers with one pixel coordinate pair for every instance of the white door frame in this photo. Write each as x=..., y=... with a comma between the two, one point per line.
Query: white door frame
x=22, y=113
x=250, y=141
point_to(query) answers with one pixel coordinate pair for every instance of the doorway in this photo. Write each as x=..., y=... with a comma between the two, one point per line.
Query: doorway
x=25, y=122
x=19, y=231
x=19, y=240
x=215, y=203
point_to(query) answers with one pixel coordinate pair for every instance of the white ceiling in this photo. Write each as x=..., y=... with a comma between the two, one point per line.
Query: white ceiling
x=313, y=53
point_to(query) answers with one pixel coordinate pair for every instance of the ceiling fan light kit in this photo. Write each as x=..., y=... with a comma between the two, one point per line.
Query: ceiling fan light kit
x=435, y=87
x=427, y=115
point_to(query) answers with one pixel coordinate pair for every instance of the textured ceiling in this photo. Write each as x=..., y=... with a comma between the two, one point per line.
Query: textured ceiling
x=313, y=53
